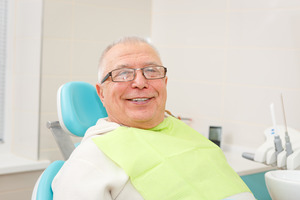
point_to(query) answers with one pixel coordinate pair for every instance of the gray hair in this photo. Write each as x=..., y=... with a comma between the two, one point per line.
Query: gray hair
x=123, y=40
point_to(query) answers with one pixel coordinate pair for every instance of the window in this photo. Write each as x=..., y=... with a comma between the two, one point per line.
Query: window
x=3, y=31
x=19, y=153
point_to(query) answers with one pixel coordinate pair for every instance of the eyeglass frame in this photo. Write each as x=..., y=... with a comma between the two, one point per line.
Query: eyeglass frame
x=109, y=74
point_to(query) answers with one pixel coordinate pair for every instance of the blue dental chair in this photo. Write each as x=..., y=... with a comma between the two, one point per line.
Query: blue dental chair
x=78, y=108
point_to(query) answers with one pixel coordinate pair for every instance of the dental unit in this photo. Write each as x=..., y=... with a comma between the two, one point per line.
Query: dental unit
x=272, y=152
x=282, y=184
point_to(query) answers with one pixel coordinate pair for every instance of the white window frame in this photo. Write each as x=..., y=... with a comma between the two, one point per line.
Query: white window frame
x=20, y=150
x=4, y=52
x=5, y=145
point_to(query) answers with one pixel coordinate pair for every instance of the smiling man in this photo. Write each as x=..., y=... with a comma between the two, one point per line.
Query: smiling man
x=137, y=152
x=134, y=89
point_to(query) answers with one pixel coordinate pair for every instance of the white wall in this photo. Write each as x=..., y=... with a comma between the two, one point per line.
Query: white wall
x=228, y=60
x=75, y=33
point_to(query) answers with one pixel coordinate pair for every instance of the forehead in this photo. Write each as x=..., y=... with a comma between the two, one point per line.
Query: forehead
x=131, y=55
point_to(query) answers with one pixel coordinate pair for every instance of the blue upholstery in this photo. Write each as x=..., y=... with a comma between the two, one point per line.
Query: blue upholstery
x=44, y=191
x=79, y=108
x=257, y=184
x=78, y=112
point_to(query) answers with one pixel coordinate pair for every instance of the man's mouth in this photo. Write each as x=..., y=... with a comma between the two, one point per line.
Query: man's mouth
x=138, y=100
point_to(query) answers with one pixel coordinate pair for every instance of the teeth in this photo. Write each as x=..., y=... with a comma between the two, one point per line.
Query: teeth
x=140, y=99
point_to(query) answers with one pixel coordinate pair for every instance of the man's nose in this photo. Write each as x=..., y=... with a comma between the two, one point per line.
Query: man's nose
x=139, y=81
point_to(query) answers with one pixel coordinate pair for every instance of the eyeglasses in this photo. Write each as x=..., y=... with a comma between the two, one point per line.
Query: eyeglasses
x=128, y=74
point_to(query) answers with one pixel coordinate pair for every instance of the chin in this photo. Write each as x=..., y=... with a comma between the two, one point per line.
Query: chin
x=146, y=121
x=142, y=118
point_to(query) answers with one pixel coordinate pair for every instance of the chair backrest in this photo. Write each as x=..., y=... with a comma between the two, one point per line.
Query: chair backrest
x=78, y=107
x=42, y=189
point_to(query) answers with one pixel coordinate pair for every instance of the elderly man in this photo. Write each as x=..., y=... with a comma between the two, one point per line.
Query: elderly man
x=137, y=152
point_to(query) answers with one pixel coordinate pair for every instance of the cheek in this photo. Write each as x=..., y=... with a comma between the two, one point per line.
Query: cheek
x=113, y=94
x=161, y=88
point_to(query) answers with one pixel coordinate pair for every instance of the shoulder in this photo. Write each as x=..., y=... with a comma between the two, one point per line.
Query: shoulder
x=87, y=165
x=91, y=155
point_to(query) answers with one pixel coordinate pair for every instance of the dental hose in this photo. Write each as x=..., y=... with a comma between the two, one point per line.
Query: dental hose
x=288, y=145
x=277, y=139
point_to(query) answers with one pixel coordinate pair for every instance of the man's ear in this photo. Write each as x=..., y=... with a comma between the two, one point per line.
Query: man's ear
x=100, y=92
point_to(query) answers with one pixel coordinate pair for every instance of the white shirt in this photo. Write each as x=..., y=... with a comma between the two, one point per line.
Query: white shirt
x=90, y=175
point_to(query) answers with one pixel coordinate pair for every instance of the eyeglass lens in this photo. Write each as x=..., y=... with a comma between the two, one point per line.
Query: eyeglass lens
x=128, y=74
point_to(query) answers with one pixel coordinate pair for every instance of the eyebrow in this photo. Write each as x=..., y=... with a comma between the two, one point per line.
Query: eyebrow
x=121, y=66
x=128, y=66
x=152, y=63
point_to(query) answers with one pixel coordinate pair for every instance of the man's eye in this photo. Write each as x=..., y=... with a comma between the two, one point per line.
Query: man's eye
x=152, y=70
x=122, y=74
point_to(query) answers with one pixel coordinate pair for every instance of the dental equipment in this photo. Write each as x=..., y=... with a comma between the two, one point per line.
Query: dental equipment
x=264, y=151
x=288, y=145
x=277, y=140
x=268, y=152
x=271, y=152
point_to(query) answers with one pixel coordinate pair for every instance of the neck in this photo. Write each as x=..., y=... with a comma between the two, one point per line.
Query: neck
x=139, y=124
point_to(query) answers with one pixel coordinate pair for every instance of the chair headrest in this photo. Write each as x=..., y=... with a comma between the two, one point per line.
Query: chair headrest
x=78, y=107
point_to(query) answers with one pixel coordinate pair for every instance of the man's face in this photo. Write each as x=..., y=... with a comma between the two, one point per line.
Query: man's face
x=139, y=103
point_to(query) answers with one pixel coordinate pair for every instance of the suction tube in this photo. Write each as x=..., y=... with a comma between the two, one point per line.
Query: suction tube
x=277, y=140
x=288, y=145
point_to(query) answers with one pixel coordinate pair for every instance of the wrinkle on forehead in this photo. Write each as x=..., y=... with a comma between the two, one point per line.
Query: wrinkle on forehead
x=137, y=54
x=144, y=65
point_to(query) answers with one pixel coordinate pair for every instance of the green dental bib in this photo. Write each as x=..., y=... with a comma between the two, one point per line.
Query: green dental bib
x=171, y=161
